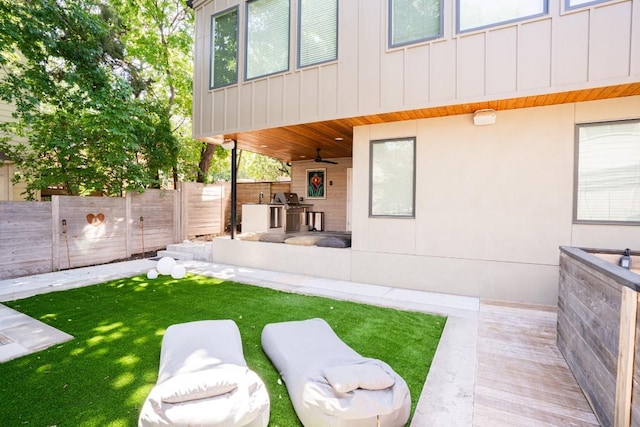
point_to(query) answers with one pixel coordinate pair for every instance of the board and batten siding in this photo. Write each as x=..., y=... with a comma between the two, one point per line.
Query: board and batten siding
x=564, y=50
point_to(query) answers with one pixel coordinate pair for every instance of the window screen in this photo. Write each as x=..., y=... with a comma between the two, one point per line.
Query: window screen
x=318, y=32
x=474, y=14
x=411, y=21
x=267, y=37
x=392, y=180
x=608, y=172
x=224, y=49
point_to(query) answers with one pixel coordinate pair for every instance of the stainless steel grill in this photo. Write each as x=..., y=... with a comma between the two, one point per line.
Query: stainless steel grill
x=294, y=212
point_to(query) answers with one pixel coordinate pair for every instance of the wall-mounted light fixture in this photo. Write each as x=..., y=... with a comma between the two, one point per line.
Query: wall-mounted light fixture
x=484, y=117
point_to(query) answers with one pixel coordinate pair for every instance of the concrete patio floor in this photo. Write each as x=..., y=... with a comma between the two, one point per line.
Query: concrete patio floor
x=449, y=393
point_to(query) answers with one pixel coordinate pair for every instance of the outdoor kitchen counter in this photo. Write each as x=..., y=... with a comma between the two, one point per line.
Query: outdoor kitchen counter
x=271, y=217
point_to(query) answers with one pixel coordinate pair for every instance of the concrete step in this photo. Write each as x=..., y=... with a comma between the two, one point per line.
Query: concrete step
x=199, y=251
x=176, y=255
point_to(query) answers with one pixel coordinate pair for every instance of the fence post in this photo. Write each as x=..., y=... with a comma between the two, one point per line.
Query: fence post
x=184, y=211
x=128, y=223
x=55, y=233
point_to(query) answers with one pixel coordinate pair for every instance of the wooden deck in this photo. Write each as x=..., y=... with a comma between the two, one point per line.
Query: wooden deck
x=522, y=378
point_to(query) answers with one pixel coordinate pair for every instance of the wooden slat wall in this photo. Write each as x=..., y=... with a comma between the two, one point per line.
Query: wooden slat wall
x=588, y=332
x=34, y=240
x=25, y=238
x=159, y=210
x=206, y=208
x=202, y=206
x=249, y=192
x=335, y=205
x=84, y=243
x=635, y=393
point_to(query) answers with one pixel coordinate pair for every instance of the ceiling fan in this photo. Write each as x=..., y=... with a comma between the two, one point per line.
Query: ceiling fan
x=319, y=159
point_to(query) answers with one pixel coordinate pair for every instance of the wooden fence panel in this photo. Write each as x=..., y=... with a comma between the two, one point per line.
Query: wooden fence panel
x=96, y=230
x=202, y=208
x=71, y=231
x=158, y=228
x=25, y=239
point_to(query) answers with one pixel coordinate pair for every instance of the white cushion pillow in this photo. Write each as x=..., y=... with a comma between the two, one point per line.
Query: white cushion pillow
x=200, y=384
x=368, y=376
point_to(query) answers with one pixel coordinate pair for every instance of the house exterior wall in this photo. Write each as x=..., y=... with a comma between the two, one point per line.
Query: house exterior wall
x=8, y=190
x=493, y=204
x=564, y=50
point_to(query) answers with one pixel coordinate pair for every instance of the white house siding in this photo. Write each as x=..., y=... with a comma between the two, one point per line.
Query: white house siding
x=588, y=47
x=493, y=204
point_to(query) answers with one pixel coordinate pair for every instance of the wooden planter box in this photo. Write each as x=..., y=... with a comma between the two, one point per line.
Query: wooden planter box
x=597, y=332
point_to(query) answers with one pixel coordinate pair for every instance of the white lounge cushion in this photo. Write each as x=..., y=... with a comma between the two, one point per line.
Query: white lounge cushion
x=308, y=240
x=302, y=351
x=200, y=385
x=204, y=381
x=367, y=376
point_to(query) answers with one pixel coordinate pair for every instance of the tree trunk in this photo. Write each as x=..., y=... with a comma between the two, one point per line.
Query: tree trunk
x=206, y=154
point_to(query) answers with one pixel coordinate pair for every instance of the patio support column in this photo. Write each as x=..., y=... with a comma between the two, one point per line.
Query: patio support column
x=233, y=188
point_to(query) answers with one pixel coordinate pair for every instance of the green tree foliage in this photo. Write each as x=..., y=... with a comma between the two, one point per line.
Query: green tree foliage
x=261, y=168
x=65, y=69
x=159, y=46
x=103, y=94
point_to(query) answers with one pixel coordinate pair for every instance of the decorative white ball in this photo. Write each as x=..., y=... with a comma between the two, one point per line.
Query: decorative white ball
x=165, y=265
x=178, y=272
x=152, y=274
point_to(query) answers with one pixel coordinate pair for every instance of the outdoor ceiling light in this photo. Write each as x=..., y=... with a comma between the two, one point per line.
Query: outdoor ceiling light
x=228, y=144
x=484, y=117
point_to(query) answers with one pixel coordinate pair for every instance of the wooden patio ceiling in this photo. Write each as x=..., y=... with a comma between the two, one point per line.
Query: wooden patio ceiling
x=299, y=142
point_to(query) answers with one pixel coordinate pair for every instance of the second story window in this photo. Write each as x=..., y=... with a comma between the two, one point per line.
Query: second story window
x=224, y=49
x=412, y=21
x=476, y=14
x=267, y=37
x=318, y=26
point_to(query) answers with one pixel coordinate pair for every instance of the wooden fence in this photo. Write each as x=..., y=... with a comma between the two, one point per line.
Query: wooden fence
x=70, y=232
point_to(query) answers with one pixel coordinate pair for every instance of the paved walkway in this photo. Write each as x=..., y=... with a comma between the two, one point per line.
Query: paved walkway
x=447, y=398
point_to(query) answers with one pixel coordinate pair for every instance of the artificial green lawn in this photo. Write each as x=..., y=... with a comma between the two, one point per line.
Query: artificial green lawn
x=102, y=377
